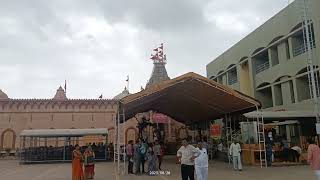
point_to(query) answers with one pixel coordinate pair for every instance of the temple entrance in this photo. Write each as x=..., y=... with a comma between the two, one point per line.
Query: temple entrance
x=131, y=134
x=8, y=139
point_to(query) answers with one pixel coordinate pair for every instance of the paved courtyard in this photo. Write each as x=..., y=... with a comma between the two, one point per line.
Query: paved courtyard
x=11, y=170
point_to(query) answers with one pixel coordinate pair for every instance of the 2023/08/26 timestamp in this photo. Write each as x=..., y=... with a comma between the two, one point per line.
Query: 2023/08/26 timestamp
x=155, y=173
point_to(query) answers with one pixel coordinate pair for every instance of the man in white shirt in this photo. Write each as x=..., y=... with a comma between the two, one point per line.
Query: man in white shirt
x=234, y=152
x=201, y=163
x=186, y=154
x=295, y=153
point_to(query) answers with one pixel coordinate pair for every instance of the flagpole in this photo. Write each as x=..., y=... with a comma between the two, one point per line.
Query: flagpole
x=128, y=83
x=65, y=87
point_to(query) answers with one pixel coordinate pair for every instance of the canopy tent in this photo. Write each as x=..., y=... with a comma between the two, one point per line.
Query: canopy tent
x=56, y=145
x=306, y=119
x=63, y=132
x=188, y=98
x=281, y=115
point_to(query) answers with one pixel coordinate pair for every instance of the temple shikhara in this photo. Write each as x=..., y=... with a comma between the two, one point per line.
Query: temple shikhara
x=61, y=112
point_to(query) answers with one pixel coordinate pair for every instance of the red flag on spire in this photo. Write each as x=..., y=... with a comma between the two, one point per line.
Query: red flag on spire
x=161, y=47
x=154, y=57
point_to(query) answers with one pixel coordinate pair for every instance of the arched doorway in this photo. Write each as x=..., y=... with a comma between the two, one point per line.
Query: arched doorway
x=8, y=139
x=131, y=134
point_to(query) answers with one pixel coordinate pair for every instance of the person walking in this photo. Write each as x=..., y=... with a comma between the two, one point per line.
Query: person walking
x=201, y=163
x=235, y=153
x=314, y=157
x=186, y=154
x=136, y=156
x=129, y=151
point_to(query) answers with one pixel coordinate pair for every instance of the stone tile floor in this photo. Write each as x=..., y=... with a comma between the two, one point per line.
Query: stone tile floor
x=12, y=170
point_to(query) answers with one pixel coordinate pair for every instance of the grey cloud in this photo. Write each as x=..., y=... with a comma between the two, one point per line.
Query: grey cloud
x=44, y=42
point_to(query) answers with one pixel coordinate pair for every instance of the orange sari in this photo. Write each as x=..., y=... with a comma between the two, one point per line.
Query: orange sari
x=77, y=172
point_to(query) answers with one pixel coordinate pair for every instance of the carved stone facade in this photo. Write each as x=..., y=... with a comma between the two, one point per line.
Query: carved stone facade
x=57, y=113
x=62, y=113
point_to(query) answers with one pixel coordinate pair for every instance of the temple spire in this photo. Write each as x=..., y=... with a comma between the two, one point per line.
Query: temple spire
x=60, y=94
x=159, y=72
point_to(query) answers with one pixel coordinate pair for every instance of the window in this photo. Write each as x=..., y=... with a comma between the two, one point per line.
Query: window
x=232, y=76
x=261, y=61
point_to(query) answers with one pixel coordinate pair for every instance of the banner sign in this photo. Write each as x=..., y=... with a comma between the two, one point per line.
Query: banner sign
x=160, y=118
x=215, y=131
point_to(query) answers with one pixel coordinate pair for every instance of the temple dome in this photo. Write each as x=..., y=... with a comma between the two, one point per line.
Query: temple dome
x=60, y=94
x=123, y=94
x=3, y=95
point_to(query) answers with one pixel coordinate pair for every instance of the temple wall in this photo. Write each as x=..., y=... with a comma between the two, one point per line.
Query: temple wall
x=18, y=115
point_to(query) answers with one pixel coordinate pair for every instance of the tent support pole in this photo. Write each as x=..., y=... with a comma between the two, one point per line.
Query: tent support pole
x=124, y=141
x=20, y=149
x=249, y=139
x=118, y=141
x=114, y=136
x=64, y=149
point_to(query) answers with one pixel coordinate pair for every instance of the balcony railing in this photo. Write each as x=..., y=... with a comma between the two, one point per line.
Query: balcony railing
x=232, y=80
x=300, y=49
x=262, y=67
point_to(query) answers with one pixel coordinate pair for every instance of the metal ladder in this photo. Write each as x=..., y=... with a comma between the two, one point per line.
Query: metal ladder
x=229, y=132
x=309, y=44
x=228, y=129
x=118, y=153
x=261, y=140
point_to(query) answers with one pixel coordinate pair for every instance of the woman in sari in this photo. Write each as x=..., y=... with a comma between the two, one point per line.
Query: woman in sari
x=89, y=163
x=77, y=172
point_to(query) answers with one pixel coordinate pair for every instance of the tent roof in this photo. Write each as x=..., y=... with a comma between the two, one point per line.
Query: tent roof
x=188, y=98
x=63, y=132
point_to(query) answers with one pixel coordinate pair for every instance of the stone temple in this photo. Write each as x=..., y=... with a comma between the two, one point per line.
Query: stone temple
x=61, y=112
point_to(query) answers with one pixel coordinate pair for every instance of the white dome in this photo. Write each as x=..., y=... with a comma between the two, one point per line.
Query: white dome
x=123, y=94
x=3, y=95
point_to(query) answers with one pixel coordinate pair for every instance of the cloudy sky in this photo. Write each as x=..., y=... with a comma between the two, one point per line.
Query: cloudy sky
x=95, y=44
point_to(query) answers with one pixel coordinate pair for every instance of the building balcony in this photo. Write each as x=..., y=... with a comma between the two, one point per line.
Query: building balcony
x=262, y=67
x=232, y=80
x=300, y=49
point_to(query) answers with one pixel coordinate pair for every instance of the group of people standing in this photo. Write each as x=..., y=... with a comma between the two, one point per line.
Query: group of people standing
x=140, y=152
x=192, y=158
x=79, y=160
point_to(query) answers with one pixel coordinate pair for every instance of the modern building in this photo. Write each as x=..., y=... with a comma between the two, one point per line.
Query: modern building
x=270, y=63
